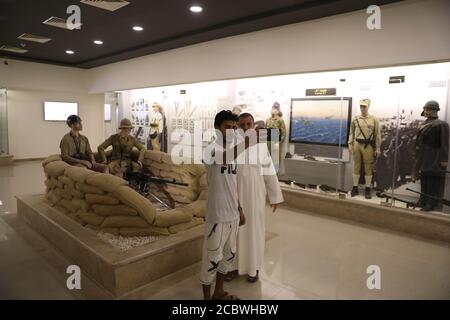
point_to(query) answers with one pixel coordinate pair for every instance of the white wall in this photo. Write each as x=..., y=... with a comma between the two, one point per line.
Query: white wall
x=32, y=137
x=412, y=32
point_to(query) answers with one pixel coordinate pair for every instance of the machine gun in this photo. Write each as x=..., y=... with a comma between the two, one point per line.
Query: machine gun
x=387, y=196
x=442, y=200
x=142, y=182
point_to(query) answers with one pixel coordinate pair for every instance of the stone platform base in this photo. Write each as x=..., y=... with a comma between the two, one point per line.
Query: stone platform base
x=6, y=160
x=124, y=274
x=426, y=225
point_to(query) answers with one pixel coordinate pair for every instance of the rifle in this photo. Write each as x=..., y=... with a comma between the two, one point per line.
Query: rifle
x=409, y=204
x=326, y=188
x=444, y=201
x=288, y=182
x=141, y=182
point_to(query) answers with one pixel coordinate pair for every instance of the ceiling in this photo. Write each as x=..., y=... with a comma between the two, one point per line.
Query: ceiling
x=167, y=24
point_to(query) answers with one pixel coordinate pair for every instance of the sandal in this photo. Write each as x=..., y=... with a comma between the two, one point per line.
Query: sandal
x=230, y=276
x=227, y=296
x=253, y=279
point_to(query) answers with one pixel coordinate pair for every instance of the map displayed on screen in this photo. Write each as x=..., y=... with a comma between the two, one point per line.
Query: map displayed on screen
x=320, y=121
x=59, y=111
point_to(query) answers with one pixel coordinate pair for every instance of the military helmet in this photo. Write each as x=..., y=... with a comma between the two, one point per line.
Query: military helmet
x=364, y=102
x=125, y=124
x=433, y=105
x=72, y=119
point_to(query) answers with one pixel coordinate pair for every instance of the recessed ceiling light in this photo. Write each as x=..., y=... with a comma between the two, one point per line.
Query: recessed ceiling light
x=196, y=9
x=70, y=52
x=98, y=41
x=138, y=28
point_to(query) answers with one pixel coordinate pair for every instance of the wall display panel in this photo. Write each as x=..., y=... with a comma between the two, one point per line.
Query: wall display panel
x=320, y=121
x=59, y=111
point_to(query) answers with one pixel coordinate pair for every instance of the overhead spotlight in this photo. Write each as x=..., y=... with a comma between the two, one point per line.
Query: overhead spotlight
x=99, y=42
x=196, y=9
x=138, y=28
x=70, y=52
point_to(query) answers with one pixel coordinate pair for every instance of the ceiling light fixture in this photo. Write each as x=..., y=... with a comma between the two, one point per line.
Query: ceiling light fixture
x=138, y=28
x=196, y=9
x=70, y=52
x=98, y=42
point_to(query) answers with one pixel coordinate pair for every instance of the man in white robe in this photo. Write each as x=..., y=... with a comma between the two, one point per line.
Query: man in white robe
x=256, y=178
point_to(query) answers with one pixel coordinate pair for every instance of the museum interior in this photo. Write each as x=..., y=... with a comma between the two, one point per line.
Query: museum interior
x=107, y=109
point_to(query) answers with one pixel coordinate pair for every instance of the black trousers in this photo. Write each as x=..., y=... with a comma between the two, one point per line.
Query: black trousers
x=432, y=185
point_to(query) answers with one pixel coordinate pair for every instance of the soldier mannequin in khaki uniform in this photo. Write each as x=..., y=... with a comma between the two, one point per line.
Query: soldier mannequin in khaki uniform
x=364, y=143
x=122, y=144
x=75, y=148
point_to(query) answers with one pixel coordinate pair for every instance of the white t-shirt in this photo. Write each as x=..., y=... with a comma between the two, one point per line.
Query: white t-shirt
x=222, y=203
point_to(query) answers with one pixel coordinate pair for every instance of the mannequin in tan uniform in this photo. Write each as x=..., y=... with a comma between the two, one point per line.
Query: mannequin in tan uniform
x=156, y=127
x=364, y=143
x=122, y=144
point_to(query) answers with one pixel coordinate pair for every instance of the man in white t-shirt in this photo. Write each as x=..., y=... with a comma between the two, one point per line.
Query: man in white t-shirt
x=223, y=212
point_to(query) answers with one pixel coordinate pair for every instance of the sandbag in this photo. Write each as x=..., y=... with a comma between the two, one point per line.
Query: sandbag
x=76, y=218
x=55, y=183
x=91, y=218
x=85, y=188
x=73, y=192
x=101, y=199
x=48, y=184
x=67, y=181
x=142, y=232
x=63, y=193
x=68, y=205
x=52, y=197
x=153, y=155
x=171, y=217
x=81, y=204
x=93, y=228
x=55, y=168
x=52, y=158
x=117, y=210
x=181, y=199
x=203, y=181
x=123, y=221
x=170, y=175
x=131, y=198
x=203, y=195
x=106, y=182
x=154, y=171
x=161, y=166
x=196, y=170
x=185, y=226
x=61, y=209
x=198, y=207
x=176, y=190
x=77, y=174
x=113, y=231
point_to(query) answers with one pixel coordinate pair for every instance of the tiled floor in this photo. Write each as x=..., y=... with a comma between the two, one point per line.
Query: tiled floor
x=307, y=257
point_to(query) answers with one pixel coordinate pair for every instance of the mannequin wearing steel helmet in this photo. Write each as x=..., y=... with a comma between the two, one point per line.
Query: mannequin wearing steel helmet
x=431, y=157
x=75, y=148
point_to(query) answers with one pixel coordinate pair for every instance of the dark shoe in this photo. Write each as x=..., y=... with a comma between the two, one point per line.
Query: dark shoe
x=355, y=191
x=368, y=193
x=231, y=275
x=427, y=208
x=253, y=279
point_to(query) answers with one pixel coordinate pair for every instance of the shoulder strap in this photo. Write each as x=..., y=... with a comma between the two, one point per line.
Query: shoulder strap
x=360, y=130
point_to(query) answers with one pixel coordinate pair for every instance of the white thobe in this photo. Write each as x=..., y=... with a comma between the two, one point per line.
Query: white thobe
x=254, y=182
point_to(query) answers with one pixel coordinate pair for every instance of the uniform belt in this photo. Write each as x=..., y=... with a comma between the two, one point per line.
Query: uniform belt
x=364, y=141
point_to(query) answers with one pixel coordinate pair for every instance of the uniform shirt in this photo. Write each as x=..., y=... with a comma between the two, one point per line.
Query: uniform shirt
x=71, y=146
x=222, y=203
x=368, y=125
x=156, y=124
x=122, y=147
x=279, y=124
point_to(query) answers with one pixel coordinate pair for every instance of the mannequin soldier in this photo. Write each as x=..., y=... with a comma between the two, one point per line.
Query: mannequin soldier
x=431, y=156
x=122, y=144
x=156, y=127
x=75, y=148
x=364, y=143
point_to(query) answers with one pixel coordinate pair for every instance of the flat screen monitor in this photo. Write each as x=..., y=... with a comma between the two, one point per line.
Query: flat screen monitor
x=322, y=121
x=59, y=111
